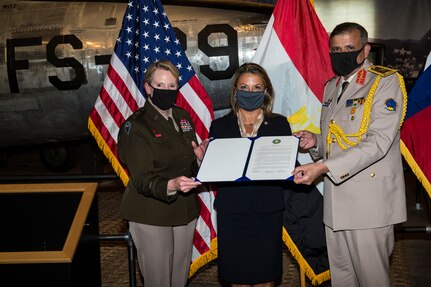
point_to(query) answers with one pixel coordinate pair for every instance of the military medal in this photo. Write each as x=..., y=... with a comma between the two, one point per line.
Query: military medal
x=185, y=125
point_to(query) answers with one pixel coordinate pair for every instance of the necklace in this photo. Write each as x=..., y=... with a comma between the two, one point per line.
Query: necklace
x=249, y=123
x=249, y=119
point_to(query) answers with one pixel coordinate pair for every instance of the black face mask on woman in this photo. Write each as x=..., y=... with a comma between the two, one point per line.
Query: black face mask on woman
x=164, y=99
x=345, y=63
x=250, y=101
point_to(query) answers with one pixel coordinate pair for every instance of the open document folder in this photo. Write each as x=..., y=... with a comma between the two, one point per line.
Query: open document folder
x=242, y=159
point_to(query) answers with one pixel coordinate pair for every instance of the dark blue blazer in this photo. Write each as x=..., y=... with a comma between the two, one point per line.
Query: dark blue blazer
x=256, y=196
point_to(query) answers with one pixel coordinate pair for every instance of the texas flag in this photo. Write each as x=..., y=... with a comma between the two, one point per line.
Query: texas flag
x=415, y=132
x=294, y=50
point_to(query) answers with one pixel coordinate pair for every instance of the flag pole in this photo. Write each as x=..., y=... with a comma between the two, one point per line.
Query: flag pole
x=301, y=277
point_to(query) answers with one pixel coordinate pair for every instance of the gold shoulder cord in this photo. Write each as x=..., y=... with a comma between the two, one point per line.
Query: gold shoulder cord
x=337, y=132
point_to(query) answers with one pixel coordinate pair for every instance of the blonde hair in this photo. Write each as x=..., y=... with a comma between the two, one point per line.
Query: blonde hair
x=164, y=65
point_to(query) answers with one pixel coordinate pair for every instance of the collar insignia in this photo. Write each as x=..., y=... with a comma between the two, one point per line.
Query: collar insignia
x=360, y=78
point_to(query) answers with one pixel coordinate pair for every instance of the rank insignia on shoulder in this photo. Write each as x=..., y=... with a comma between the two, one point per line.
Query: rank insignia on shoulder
x=381, y=71
x=127, y=127
x=391, y=105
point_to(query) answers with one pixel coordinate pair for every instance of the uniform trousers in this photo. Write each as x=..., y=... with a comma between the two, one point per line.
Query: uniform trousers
x=164, y=253
x=360, y=257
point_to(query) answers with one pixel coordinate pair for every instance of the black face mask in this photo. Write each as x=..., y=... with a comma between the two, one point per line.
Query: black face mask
x=250, y=101
x=345, y=63
x=164, y=99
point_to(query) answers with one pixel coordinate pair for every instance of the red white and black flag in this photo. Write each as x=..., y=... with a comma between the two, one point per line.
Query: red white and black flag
x=294, y=50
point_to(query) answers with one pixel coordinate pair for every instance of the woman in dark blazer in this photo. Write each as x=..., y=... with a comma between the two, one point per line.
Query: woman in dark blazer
x=250, y=214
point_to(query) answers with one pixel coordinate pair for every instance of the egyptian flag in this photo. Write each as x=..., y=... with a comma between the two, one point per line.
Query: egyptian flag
x=294, y=51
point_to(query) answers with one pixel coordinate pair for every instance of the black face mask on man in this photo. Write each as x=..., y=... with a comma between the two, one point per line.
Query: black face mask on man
x=345, y=63
x=164, y=99
x=250, y=101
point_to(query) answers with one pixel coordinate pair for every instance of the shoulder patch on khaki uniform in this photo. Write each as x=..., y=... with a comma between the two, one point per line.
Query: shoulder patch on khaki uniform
x=381, y=71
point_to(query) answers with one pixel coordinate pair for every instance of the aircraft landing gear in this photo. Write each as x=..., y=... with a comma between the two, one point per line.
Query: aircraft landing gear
x=58, y=157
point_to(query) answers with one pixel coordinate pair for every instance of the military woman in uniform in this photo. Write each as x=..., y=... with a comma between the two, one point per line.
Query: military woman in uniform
x=157, y=145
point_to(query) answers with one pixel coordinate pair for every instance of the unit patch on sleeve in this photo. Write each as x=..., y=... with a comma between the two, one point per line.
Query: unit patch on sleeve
x=127, y=127
x=391, y=105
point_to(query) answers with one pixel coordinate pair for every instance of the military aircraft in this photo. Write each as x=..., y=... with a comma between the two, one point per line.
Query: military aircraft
x=55, y=57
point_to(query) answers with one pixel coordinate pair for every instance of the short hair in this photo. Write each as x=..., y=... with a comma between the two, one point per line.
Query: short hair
x=163, y=65
x=349, y=27
x=258, y=70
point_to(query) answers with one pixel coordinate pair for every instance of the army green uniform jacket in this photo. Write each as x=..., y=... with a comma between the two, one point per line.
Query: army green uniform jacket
x=153, y=153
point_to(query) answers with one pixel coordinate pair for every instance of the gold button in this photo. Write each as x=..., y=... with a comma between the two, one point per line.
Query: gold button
x=333, y=140
x=332, y=121
x=373, y=174
x=352, y=118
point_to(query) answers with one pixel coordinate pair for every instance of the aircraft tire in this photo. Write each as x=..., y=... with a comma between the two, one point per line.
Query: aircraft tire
x=58, y=157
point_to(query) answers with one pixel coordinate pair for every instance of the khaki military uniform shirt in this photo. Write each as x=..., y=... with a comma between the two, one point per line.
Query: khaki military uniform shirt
x=365, y=184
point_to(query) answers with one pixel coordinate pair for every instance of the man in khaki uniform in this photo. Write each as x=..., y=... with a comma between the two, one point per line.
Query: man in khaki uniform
x=364, y=192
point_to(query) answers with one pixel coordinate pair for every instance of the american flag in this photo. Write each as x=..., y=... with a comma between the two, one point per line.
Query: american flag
x=145, y=37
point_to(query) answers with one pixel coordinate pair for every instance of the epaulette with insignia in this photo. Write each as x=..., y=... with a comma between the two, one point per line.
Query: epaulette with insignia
x=381, y=71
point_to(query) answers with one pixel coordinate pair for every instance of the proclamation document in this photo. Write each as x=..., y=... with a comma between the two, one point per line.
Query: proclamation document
x=244, y=159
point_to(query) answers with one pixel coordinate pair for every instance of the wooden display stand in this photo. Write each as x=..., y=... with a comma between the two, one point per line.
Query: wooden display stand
x=49, y=235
